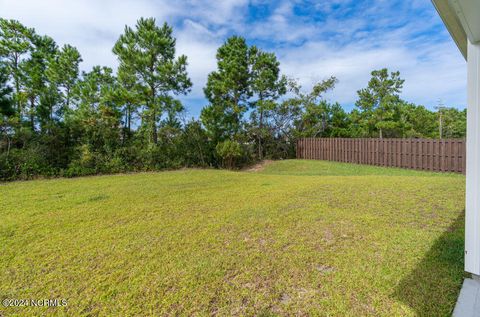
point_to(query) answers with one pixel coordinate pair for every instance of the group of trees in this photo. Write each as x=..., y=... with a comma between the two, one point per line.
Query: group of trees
x=55, y=120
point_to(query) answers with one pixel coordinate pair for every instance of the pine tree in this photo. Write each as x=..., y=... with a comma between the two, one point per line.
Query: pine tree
x=228, y=90
x=15, y=43
x=149, y=52
x=268, y=86
x=379, y=101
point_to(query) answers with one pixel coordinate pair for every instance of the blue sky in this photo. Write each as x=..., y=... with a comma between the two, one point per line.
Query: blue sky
x=312, y=39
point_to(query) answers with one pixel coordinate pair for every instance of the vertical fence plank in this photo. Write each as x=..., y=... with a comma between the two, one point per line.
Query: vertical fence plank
x=317, y=148
x=455, y=156
x=304, y=148
x=421, y=154
x=307, y=149
x=446, y=163
x=389, y=152
x=441, y=155
x=304, y=153
x=430, y=152
x=312, y=148
x=309, y=156
x=321, y=148
x=326, y=147
x=447, y=156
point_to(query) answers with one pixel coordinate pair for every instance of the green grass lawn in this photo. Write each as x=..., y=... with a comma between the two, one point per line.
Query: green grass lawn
x=300, y=238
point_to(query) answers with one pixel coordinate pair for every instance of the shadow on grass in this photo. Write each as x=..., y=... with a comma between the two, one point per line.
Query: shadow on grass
x=432, y=288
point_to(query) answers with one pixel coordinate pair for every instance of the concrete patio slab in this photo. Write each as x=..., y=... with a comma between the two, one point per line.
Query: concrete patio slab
x=468, y=303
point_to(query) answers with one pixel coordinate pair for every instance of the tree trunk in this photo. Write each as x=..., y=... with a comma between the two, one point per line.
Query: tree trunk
x=124, y=130
x=50, y=118
x=9, y=144
x=324, y=124
x=154, y=114
x=68, y=96
x=129, y=117
x=154, y=127
x=17, y=83
x=32, y=113
x=260, y=150
x=235, y=112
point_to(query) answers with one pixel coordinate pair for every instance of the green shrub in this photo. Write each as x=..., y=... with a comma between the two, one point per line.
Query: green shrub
x=76, y=170
x=24, y=164
x=114, y=165
x=229, y=151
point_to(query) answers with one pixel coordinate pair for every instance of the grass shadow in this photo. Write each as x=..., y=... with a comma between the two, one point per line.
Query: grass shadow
x=432, y=288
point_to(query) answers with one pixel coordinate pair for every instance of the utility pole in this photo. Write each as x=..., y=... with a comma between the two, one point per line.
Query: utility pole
x=440, y=109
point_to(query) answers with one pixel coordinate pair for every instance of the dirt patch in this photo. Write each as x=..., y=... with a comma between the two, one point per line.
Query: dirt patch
x=324, y=269
x=259, y=166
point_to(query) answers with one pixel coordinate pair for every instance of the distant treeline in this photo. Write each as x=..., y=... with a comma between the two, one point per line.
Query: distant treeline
x=55, y=121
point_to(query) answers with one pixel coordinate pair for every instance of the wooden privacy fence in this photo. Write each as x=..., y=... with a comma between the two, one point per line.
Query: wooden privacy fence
x=446, y=155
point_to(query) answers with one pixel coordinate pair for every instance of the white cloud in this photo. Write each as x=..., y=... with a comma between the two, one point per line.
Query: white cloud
x=216, y=12
x=92, y=26
x=200, y=45
x=430, y=74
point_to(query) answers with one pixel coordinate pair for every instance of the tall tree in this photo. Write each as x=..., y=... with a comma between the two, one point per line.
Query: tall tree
x=228, y=90
x=5, y=94
x=379, y=101
x=97, y=115
x=196, y=148
x=267, y=85
x=454, y=122
x=64, y=71
x=15, y=43
x=149, y=52
x=128, y=96
x=62, y=74
x=416, y=121
x=35, y=69
x=315, y=110
x=6, y=109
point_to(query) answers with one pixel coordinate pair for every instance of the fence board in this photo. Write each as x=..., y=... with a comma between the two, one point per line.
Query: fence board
x=447, y=155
